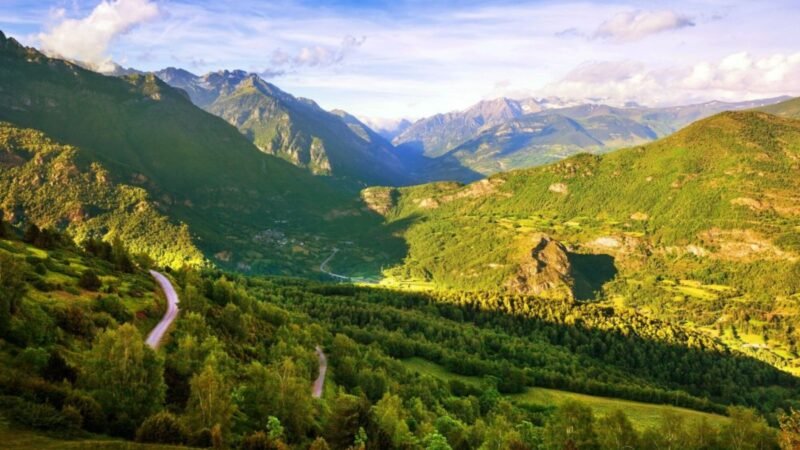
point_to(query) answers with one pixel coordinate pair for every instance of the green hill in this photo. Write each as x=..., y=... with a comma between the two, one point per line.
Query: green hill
x=700, y=227
x=243, y=208
x=789, y=108
x=75, y=367
x=42, y=182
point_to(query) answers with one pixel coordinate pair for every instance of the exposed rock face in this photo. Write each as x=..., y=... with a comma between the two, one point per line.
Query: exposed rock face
x=380, y=199
x=545, y=272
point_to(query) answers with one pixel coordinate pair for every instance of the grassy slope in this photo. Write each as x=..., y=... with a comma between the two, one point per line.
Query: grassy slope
x=199, y=169
x=667, y=193
x=641, y=414
x=17, y=439
x=789, y=108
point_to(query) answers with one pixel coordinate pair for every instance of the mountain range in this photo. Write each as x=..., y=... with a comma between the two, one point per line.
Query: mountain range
x=299, y=131
x=505, y=134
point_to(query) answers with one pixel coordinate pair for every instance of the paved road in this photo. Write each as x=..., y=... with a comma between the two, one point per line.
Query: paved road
x=155, y=336
x=319, y=383
x=324, y=267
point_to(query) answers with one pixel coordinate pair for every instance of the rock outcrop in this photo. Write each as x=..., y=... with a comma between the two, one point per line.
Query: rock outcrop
x=545, y=271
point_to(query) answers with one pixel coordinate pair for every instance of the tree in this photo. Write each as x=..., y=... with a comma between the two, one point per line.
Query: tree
x=162, y=428
x=274, y=428
x=388, y=416
x=319, y=444
x=436, y=441
x=210, y=401
x=349, y=415
x=571, y=427
x=12, y=288
x=125, y=376
x=5, y=233
x=31, y=233
x=279, y=390
x=746, y=430
x=89, y=280
x=615, y=431
x=790, y=430
x=120, y=256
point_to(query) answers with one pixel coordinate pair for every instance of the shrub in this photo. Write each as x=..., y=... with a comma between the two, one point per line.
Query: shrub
x=162, y=428
x=32, y=359
x=94, y=418
x=90, y=281
x=112, y=305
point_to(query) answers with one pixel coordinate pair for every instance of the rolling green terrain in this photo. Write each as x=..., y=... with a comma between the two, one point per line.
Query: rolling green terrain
x=789, y=108
x=219, y=194
x=641, y=415
x=240, y=360
x=699, y=228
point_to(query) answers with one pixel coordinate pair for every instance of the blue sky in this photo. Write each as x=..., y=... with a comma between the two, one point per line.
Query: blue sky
x=390, y=59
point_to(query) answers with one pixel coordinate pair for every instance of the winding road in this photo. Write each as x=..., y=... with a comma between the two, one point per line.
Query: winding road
x=155, y=336
x=324, y=265
x=319, y=383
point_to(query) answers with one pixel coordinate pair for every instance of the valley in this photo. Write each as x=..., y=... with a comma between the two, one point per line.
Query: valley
x=597, y=258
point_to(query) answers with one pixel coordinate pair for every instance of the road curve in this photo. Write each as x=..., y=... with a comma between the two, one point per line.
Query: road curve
x=155, y=336
x=323, y=267
x=319, y=383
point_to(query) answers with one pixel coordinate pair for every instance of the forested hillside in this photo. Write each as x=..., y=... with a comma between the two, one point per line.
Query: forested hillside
x=700, y=227
x=243, y=209
x=237, y=369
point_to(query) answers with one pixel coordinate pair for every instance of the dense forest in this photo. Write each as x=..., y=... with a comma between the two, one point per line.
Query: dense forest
x=236, y=371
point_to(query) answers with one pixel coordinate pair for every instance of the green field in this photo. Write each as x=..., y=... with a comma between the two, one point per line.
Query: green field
x=642, y=415
x=13, y=439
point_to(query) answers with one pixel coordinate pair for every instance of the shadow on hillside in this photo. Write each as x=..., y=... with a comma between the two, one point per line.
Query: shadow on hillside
x=429, y=169
x=591, y=272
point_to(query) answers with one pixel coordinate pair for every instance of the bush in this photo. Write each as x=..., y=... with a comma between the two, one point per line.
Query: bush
x=162, y=428
x=112, y=305
x=200, y=438
x=32, y=359
x=39, y=416
x=94, y=418
x=90, y=281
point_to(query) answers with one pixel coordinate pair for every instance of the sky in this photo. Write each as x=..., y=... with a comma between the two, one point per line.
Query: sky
x=384, y=60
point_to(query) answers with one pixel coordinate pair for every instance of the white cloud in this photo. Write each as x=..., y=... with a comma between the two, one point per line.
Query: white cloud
x=318, y=55
x=88, y=39
x=739, y=76
x=636, y=25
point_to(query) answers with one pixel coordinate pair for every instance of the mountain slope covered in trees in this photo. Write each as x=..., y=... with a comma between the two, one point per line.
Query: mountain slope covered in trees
x=237, y=369
x=243, y=208
x=699, y=227
x=299, y=131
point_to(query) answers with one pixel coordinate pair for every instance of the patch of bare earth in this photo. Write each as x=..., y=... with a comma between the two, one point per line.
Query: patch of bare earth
x=742, y=245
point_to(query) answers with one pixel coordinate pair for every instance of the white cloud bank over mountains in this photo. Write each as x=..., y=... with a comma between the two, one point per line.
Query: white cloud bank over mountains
x=739, y=76
x=88, y=39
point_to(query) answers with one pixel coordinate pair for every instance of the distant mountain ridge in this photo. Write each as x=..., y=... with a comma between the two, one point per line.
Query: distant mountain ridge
x=297, y=130
x=505, y=134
